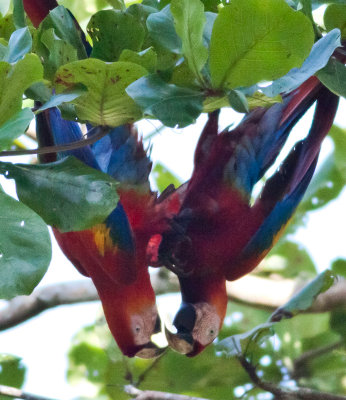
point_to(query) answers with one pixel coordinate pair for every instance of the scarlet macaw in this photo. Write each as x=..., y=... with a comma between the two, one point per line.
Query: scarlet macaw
x=113, y=254
x=218, y=235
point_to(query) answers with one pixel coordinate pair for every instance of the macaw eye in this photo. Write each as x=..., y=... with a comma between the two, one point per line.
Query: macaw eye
x=212, y=333
x=137, y=329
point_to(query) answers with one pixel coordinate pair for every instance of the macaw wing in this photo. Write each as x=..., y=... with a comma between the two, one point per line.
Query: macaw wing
x=121, y=155
x=261, y=135
x=284, y=190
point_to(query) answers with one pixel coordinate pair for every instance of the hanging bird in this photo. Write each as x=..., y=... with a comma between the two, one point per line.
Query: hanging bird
x=218, y=235
x=113, y=254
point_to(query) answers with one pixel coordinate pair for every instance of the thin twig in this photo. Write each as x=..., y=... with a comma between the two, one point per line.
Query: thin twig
x=19, y=394
x=101, y=131
x=155, y=395
x=283, y=393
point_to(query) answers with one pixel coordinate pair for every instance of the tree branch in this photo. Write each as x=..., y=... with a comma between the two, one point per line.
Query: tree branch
x=155, y=395
x=22, y=308
x=250, y=290
x=99, y=133
x=283, y=393
x=19, y=394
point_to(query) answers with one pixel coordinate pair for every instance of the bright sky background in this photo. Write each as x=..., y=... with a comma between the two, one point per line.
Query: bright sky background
x=43, y=341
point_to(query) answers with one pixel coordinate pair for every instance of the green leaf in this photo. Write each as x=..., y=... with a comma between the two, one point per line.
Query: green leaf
x=106, y=102
x=12, y=372
x=318, y=58
x=14, y=80
x=25, y=249
x=15, y=127
x=337, y=322
x=54, y=51
x=161, y=29
x=112, y=31
x=333, y=75
x=117, y=4
x=339, y=267
x=76, y=197
x=163, y=177
x=257, y=40
x=18, y=14
x=189, y=20
x=146, y=58
x=20, y=43
x=259, y=99
x=172, y=105
x=247, y=342
x=305, y=297
x=58, y=99
x=237, y=101
x=7, y=27
x=335, y=17
x=65, y=28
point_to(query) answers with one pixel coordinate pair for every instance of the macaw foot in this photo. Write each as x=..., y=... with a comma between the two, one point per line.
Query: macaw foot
x=175, y=249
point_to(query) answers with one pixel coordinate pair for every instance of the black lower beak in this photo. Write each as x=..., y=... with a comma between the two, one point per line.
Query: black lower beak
x=182, y=343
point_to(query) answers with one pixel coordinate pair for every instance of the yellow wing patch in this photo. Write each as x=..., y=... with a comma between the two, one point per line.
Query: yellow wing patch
x=102, y=238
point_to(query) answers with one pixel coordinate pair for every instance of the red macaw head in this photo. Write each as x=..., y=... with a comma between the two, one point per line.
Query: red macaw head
x=201, y=314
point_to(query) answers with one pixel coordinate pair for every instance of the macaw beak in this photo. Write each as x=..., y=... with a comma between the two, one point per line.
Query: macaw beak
x=182, y=343
x=150, y=350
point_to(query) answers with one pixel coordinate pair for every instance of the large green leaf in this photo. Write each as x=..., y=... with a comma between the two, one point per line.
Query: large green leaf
x=333, y=75
x=53, y=51
x=257, y=40
x=65, y=28
x=189, y=22
x=14, y=80
x=113, y=31
x=67, y=194
x=106, y=102
x=318, y=58
x=146, y=58
x=161, y=29
x=25, y=249
x=172, y=105
x=15, y=127
x=304, y=298
x=335, y=17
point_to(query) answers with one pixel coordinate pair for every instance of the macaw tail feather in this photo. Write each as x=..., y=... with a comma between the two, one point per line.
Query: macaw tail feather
x=121, y=155
x=284, y=190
